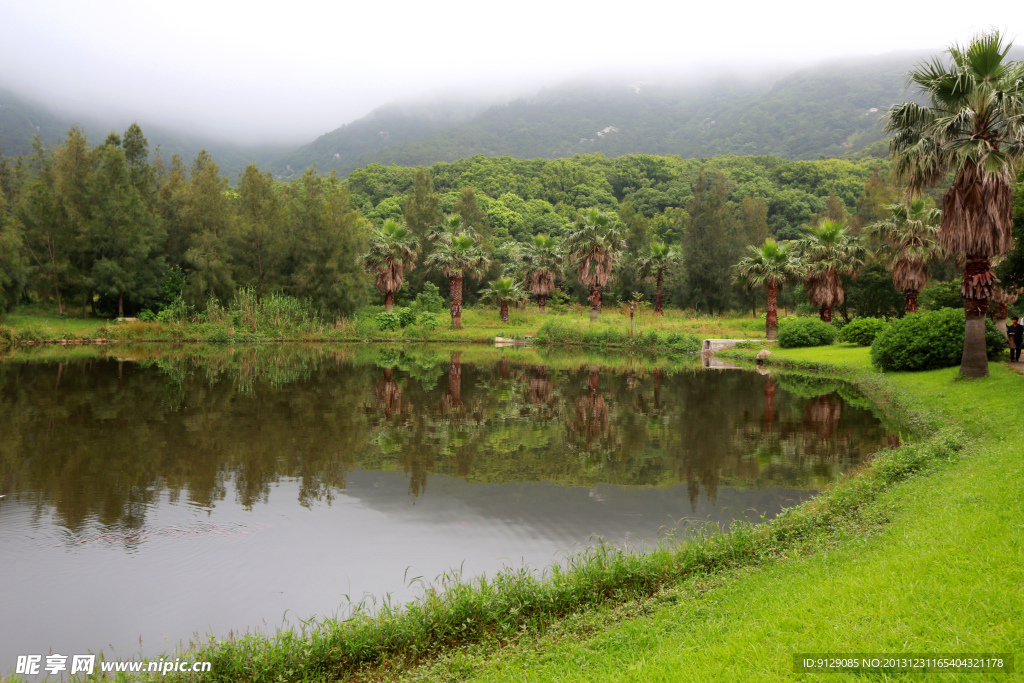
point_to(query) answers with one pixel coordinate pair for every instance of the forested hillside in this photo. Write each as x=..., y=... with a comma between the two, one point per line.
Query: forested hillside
x=831, y=109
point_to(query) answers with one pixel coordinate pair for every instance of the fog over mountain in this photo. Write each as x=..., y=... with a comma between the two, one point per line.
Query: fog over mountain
x=249, y=73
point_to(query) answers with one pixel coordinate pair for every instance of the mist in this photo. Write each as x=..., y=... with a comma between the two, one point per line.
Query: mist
x=283, y=74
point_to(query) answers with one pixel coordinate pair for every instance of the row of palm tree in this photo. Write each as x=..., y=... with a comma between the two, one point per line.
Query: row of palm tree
x=594, y=246
x=908, y=237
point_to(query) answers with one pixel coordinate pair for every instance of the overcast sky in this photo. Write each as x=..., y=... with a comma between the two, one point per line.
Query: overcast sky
x=259, y=71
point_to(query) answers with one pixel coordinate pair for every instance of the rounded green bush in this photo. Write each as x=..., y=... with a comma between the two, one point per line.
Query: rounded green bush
x=387, y=320
x=861, y=331
x=797, y=332
x=428, y=321
x=406, y=316
x=929, y=339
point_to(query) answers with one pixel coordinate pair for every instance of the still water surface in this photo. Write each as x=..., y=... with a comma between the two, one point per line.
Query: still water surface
x=154, y=494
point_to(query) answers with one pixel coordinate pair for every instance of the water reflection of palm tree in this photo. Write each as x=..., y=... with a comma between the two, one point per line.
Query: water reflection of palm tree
x=769, y=404
x=539, y=387
x=453, y=399
x=389, y=393
x=592, y=420
x=821, y=416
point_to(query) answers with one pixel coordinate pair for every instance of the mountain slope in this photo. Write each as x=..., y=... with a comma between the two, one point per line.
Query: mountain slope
x=830, y=109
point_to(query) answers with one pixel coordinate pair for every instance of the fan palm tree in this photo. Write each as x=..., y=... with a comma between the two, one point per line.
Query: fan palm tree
x=393, y=250
x=503, y=291
x=542, y=257
x=828, y=252
x=594, y=244
x=769, y=266
x=973, y=127
x=457, y=254
x=910, y=235
x=658, y=259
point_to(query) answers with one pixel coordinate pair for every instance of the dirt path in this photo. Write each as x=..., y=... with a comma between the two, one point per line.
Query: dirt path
x=1016, y=367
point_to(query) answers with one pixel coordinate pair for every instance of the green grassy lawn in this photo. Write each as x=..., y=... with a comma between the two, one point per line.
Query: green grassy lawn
x=52, y=326
x=939, y=572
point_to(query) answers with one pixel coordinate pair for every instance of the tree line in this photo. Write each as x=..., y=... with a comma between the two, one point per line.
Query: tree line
x=114, y=226
x=117, y=228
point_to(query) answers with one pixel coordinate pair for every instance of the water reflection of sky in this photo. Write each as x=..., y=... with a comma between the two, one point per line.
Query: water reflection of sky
x=218, y=569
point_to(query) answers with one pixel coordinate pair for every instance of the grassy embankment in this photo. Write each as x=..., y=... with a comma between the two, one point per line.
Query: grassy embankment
x=919, y=552
x=679, y=330
x=932, y=564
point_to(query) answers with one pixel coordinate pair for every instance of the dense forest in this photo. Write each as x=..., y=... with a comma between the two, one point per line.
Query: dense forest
x=115, y=228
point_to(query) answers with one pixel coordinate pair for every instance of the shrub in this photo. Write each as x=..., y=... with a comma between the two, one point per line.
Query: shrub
x=388, y=320
x=429, y=300
x=796, y=332
x=147, y=316
x=428, y=321
x=175, y=312
x=929, y=339
x=406, y=316
x=680, y=341
x=861, y=331
x=7, y=336
x=939, y=295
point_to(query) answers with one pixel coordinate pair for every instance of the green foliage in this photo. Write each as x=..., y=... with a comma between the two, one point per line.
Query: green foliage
x=861, y=331
x=929, y=339
x=406, y=316
x=798, y=332
x=711, y=244
x=177, y=311
x=387, y=321
x=559, y=330
x=429, y=300
x=873, y=294
x=941, y=295
x=275, y=312
x=428, y=320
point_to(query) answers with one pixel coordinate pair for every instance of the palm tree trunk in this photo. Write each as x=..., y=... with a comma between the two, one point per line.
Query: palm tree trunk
x=120, y=304
x=504, y=311
x=595, y=302
x=389, y=301
x=455, y=284
x=771, y=319
x=976, y=291
x=910, y=301
x=1002, y=310
x=542, y=301
x=825, y=313
x=659, y=301
x=60, y=304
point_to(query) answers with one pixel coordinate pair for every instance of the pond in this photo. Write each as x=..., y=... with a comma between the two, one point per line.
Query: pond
x=154, y=494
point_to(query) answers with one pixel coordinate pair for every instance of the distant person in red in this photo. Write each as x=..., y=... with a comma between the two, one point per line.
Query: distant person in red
x=1015, y=332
